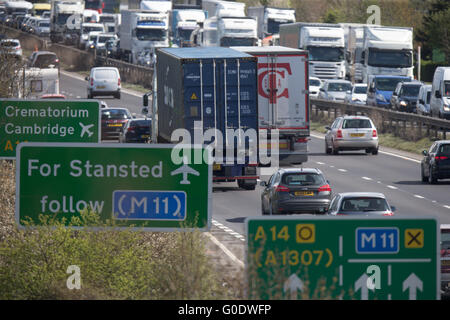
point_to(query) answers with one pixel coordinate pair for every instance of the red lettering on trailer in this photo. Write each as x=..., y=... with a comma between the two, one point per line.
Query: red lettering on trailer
x=268, y=86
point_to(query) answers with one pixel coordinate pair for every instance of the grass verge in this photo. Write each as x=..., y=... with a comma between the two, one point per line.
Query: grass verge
x=115, y=264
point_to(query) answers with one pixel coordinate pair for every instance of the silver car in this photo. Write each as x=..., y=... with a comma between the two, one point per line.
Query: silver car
x=351, y=133
x=360, y=203
x=335, y=90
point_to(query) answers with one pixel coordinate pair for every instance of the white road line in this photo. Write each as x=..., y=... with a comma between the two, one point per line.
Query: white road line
x=445, y=206
x=331, y=166
x=342, y=170
x=225, y=250
x=419, y=196
x=392, y=187
x=319, y=162
x=367, y=178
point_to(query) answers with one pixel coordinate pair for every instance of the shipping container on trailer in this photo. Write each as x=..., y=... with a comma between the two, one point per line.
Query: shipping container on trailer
x=217, y=87
x=283, y=100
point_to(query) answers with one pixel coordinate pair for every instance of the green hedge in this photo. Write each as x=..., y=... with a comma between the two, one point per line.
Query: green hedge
x=427, y=70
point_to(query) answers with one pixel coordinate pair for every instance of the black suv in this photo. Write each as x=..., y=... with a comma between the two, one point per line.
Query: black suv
x=404, y=98
x=436, y=162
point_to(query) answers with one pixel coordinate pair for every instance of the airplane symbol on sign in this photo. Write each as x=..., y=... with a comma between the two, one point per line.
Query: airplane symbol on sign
x=185, y=170
x=85, y=129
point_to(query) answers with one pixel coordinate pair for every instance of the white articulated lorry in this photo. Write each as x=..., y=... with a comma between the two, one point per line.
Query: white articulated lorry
x=354, y=39
x=65, y=18
x=387, y=51
x=223, y=8
x=142, y=30
x=283, y=101
x=270, y=19
x=325, y=44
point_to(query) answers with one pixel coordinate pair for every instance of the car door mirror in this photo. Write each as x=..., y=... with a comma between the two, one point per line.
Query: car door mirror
x=421, y=101
x=87, y=78
x=437, y=94
x=425, y=152
x=322, y=89
x=393, y=208
x=328, y=128
x=394, y=93
x=263, y=184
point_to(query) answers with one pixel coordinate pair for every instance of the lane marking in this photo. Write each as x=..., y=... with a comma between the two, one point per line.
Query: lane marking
x=225, y=249
x=367, y=178
x=419, y=196
x=319, y=162
x=392, y=187
x=342, y=170
x=446, y=206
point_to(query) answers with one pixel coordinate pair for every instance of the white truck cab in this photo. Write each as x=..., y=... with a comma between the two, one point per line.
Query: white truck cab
x=440, y=93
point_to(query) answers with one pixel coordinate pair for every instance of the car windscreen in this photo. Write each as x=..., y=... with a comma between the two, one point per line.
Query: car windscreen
x=103, y=39
x=360, y=89
x=44, y=24
x=302, y=179
x=115, y=114
x=411, y=91
x=105, y=74
x=447, y=88
x=356, y=124
x=363, y=204
x=314, y=82
x=387, y=84
x=339, y=87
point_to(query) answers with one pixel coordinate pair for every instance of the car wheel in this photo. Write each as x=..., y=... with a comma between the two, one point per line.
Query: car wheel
x=431, y=178
x=263, y=212
x=424, y=179
x=375, y=151
x=368, y=150
x=117, y=95
x=335, y=151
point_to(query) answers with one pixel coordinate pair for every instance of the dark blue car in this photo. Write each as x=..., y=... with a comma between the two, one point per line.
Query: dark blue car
x=136, y=131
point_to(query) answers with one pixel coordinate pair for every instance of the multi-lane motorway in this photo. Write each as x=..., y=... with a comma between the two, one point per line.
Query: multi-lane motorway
x=398, y=177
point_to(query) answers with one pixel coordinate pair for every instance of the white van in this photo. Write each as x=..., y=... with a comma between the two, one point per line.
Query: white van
x=440, y=93
x=104, y=81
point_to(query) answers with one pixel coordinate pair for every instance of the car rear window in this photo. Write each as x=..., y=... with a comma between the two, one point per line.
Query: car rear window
x=302, y=179
x=356, y=124
x=105, y=74
x=363, y=204
x=115, y=114
x=44, y=60
x=444, y=149
x=140, y=123
x=445, y=240
x=9, y=43
x=339, y=87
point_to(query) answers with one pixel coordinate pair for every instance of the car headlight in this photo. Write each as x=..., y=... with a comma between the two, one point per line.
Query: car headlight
x=381, y=97
x=446, y=107
x=403, y=103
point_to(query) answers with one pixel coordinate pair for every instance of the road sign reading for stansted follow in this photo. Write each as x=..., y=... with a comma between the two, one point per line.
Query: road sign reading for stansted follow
x=47, y=121
x=135, y=185
x=343, y=258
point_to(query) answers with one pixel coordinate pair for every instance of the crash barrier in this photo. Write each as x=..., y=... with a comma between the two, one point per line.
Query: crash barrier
x=129, y=73
x=405, y=125
x=80, y=60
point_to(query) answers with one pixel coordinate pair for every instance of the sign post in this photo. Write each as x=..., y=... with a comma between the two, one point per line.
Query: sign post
x=138, y=186
x=47, y=121
x=342, y=258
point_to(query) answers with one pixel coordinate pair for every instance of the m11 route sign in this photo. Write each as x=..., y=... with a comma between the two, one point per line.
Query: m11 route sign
x=343, y=258
x=137, y=186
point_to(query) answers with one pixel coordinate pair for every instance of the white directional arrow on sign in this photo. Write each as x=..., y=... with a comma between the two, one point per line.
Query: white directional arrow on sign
x=293, y=283
x=412, y=283
x=361, y=283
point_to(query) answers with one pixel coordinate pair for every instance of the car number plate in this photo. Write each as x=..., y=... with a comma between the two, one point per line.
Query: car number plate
x=115, y=125
x=145, y=136
x=216, y=167
x=100, y=87
x=357, y=135
x=304, y=193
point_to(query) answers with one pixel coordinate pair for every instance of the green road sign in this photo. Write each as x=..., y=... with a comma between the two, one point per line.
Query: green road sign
x=342, y=258
x=134, y=185
x=47, y=121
